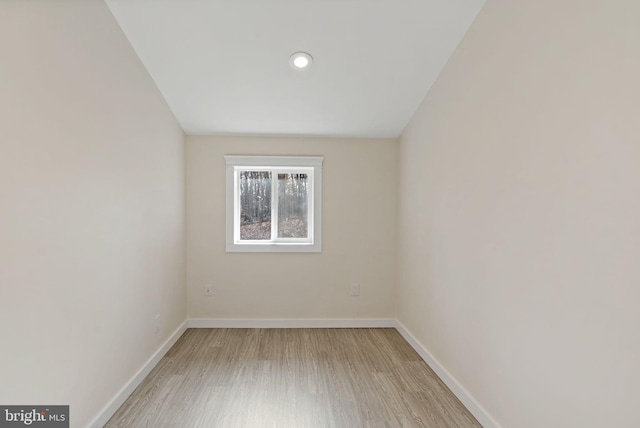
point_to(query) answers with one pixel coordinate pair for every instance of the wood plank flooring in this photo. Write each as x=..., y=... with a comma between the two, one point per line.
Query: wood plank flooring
x=292, y=378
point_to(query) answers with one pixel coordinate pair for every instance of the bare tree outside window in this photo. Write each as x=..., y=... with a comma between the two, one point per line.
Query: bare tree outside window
x=292, y=205
x=256, y=209
x=255, y=205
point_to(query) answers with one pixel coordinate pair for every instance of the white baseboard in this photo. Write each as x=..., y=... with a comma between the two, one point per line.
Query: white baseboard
x=117, y=401
x=459, y=391
x=291, y=323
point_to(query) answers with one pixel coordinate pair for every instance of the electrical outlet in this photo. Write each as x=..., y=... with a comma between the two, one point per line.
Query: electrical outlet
x=156, y=324
x=354, y=289
x=208, y=290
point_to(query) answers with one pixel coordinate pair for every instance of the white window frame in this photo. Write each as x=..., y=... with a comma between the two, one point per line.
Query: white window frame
x=311, y=165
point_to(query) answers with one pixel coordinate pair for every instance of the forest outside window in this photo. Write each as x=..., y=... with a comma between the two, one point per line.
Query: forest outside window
x=274, y=203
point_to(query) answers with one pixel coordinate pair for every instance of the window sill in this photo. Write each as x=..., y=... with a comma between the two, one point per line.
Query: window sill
x=274, y=248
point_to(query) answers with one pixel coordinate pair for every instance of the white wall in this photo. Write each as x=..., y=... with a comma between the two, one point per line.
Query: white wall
x=519, y=236
x=91, y=208
x=358, y=243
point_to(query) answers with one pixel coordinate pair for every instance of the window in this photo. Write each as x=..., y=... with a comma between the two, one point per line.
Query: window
x=274, y=203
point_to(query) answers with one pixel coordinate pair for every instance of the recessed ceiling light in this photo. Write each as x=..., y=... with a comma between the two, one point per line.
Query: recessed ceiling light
x=300, y=61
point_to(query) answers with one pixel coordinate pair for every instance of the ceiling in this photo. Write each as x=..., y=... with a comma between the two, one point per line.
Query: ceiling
x=223, y=65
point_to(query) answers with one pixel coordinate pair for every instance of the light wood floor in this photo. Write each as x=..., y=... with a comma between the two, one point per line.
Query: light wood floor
x=292, y=378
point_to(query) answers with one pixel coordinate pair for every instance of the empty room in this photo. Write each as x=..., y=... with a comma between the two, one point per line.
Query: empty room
x=319, y=213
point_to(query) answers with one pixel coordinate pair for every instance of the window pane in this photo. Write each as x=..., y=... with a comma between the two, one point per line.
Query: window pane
x=292, y=205
x=255, y=205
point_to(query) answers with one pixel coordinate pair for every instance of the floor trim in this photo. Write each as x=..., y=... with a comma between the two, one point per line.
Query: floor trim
x=291, y=323
x=458, y=390
x=122, y=395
